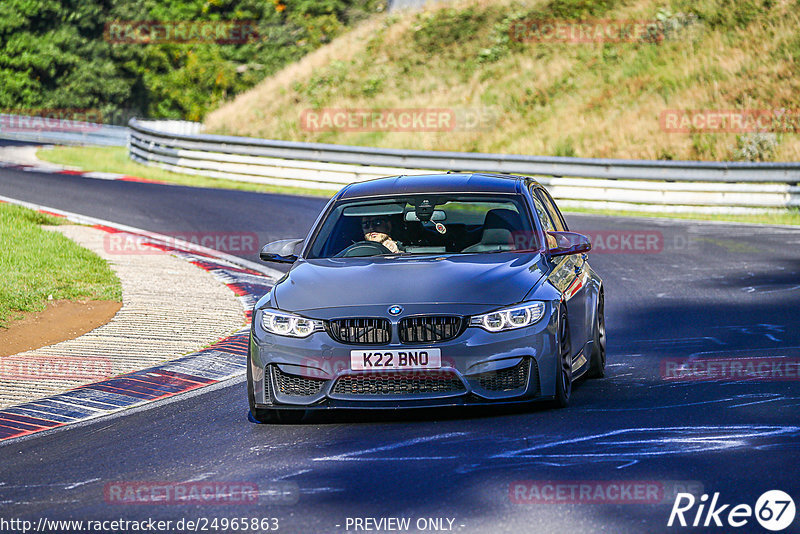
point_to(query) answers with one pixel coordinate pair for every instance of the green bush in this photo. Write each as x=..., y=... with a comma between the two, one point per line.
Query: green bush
x=759, y=146
x=53, y=54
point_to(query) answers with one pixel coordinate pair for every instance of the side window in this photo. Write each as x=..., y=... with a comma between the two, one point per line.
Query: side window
x=547, y=222
x=541, y=212
x=550, y=206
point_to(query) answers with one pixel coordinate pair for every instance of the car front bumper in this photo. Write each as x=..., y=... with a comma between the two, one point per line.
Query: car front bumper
x=478, y=368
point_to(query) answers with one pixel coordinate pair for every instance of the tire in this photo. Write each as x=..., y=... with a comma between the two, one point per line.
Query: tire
x=564, y=369
x=260, y=415
x=597, y=363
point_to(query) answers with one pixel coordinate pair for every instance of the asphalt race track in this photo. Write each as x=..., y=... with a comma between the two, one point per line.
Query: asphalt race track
x=699, y=291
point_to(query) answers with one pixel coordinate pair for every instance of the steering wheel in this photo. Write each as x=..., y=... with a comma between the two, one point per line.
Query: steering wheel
x=364, y=248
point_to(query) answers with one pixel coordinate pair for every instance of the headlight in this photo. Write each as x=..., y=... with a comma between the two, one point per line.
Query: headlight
x=288, y=324
x=509, y=318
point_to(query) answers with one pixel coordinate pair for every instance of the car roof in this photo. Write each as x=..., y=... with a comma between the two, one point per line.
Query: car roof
x=434, y=183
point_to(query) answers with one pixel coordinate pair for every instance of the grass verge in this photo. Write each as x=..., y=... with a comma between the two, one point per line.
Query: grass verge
x=39, y=265
x=116, y=159
x=783, y=217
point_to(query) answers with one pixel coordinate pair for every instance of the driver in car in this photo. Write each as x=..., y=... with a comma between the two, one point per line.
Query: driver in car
x=378, y=229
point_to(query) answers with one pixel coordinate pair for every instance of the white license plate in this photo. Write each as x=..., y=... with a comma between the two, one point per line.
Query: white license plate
x=361, y=360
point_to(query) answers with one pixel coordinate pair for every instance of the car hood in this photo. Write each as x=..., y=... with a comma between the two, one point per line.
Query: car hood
x=486, y=279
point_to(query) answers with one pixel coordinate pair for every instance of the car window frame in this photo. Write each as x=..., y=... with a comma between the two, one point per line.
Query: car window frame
x=551, y=208
x=536, y=202
x=317, y=226
x=334, y=203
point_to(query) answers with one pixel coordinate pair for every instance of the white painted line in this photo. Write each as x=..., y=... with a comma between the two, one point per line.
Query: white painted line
x=78, y=484
x=103, y=175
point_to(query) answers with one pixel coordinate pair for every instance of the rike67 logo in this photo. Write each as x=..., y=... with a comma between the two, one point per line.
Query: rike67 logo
x=774, y=510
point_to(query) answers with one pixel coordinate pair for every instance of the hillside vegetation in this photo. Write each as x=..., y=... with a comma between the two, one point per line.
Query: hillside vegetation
x=64, y=54
x=565, y=99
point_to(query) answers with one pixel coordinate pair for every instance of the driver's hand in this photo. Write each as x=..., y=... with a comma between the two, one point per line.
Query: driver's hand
x=391, y=245
x=383, y=239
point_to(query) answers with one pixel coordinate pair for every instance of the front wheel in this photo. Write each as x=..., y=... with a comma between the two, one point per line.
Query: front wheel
x=597, y=363
x=564, y=377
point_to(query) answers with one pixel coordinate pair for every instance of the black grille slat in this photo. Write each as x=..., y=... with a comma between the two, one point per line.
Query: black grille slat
x=398, y=384
x=267, y=388
x=361, y=331
x=535, y=383
x=429, y=329
x=296, y=386
x=377, y=331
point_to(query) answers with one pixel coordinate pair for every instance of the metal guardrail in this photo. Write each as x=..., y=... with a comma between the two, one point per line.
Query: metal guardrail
x=642, y=185
x=60, y=132
x=577, y=182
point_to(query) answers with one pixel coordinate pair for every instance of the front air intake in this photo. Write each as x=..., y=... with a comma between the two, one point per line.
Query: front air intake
x=418, y=383
x=295, y=386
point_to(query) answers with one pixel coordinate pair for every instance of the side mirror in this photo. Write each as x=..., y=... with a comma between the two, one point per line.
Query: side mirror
x=565, y=243
x=280, y=251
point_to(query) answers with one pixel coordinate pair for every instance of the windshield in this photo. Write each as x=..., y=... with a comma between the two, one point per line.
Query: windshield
x=425, y=224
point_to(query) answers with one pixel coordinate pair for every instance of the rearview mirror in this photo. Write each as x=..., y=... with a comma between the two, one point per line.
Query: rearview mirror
x=438, y=216
x=282, y=251
x=567, y=243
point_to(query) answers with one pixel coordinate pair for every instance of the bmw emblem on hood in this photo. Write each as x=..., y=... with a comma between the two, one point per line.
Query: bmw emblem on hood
x=395, y=310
